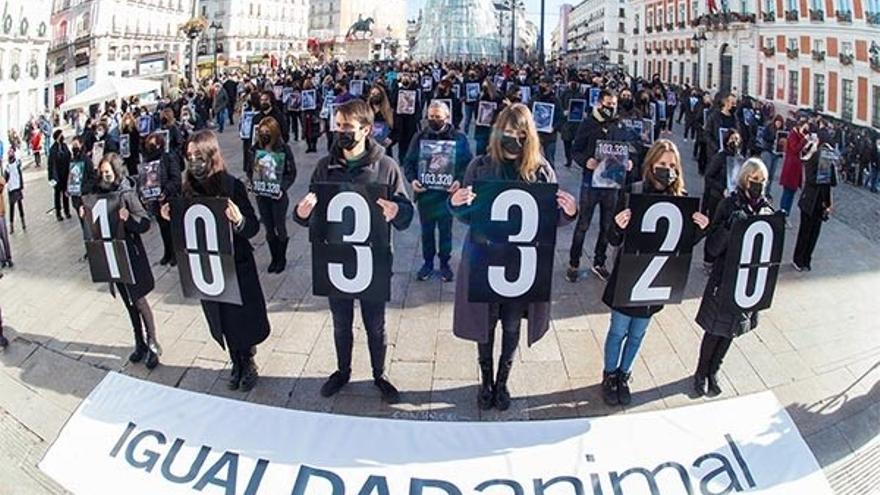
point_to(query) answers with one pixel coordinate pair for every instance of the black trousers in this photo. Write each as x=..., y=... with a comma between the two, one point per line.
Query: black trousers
x=713, y=348
x=566, y=146
x=373, y=315
x=808, y=236
x=15, y=199
x=710, y=204
x=690, y=132
x=248, y=160
x=62, y=202
x=431, y=224
x=167, y=242
x=293, y=118
x=273, y=214
x=134, y=315
x=510, y=316
x=606, y=199
x=231, y=108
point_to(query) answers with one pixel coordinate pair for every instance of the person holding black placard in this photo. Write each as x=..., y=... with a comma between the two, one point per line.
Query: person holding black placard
x=431, y=200
x=405, y=121
x=128, y=127
x=514, y=155
x=816, y=200
x=384, y=124
x=276, y=172
x=113, y=177
x=356, y=158
x=489, y=96
x=170, y=181
x=662, y=174
x=548, y=138
x=238, y=328
x=716, y=185
x=569, y=127
x=721, y=321
x=601, y=124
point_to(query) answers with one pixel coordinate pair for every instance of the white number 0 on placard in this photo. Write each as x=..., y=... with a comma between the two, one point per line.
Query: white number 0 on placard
x=195, y=213
x=741, y=295
x=642, y=290
x=528, y=265
x=363, y=276
x=102, y=217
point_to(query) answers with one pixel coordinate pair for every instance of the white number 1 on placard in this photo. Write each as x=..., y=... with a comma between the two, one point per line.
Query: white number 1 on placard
x=642, y=290
x=102, y=217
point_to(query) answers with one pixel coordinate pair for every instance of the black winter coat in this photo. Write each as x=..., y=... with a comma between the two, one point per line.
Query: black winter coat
x=59, y=164
x=715, y=316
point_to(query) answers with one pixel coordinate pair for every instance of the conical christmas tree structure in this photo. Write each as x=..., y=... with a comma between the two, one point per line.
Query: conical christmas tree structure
x=458, y=30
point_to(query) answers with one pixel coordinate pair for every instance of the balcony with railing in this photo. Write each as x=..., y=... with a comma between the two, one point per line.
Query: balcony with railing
x=659, y=27
x=670, y=26
x=872, y=18
x=768, y=51
x=649, y=29
x=844, y=16
x=817, y=15
x=791, y=15
x=846, y=58
x=769, y=16
x=792, y=52
x=723, y=21
x=818, y=55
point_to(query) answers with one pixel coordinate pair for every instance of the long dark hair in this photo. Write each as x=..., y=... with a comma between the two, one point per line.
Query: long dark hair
x=206, y=143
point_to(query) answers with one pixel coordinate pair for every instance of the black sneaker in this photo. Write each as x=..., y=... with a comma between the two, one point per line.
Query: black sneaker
x=389, y=393
x=571, y=274
x=714, y=389
x=624, y=396
x=152, y=360
x=446, y=272
x=601, y=272
x=335, y=383
x=609, y=388
x=700, y=385
x=425, y=272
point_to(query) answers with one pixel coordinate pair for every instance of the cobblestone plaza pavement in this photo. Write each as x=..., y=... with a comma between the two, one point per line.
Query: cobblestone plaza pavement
x=817, y=349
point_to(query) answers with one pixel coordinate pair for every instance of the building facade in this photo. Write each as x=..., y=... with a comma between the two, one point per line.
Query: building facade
x=597, y=34
x=559, y=35
x=525, y=36
x=330, y=22
x=254, y=33
x=24, y=40
x=821, y=54
x=95, y=39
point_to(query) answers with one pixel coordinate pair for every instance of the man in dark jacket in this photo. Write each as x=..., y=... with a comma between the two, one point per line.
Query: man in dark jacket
x=270, y=108
x=431, y=200
x=722, y=118
x=600, y=125
x=231, y=88
x=356, y=158
x=59, y=168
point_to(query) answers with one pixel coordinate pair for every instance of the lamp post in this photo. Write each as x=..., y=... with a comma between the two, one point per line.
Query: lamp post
x=216, y=26
x=699, y=39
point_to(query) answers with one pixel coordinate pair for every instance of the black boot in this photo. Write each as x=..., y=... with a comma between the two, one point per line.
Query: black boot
x=623, y=394
x=485, y=398
x=140, y=350
x=249, y=373
x=235, y=376
x=502, y=395
x=282, y=255
x=273, y=251
x=609, y=388
x=700, y=385
x=714, y=389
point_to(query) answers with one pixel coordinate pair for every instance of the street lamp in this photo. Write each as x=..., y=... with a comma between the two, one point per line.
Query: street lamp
x=699, y=39
x=216, y=26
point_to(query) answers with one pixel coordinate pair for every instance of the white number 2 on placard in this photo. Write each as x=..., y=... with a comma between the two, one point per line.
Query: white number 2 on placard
x=363, y=275
x=741, y=295
x=102, y=217
x=642, y=290
x=528, y=264
x=195, y=213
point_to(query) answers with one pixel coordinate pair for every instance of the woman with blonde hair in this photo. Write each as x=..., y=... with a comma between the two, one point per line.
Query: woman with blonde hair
x=514, y=156
x=721, y=321
x=238, y=328
x=662, y=174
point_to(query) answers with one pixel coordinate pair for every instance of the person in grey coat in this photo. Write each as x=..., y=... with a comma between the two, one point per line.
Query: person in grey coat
x=514, y=154
x=220, y=106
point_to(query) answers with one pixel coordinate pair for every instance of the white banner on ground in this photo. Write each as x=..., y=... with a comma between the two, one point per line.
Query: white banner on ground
x=136, y=437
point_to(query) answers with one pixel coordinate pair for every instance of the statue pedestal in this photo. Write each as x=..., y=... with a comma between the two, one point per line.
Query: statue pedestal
x=357, y=49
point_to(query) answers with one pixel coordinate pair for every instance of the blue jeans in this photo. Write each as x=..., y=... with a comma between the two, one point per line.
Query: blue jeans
x=874, y=180
x=221, y=118
x=633, y=331
x=771, y=160
x=787, y=200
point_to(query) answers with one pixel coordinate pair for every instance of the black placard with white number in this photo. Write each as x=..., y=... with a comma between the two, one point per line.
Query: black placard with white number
x=655, y=257
x=105, y=239
x=752, y=263
x=202, y=237
x=513, y=230
x=351, y=242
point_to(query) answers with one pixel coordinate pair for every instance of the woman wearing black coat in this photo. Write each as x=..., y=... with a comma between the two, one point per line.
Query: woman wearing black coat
x=113, y=177
x=238, y=328
x=815, y=203
x=273, y=205
x=720, y=321
x=715, y=188
x=129, y=128
x=407, y=124
x=170, y=180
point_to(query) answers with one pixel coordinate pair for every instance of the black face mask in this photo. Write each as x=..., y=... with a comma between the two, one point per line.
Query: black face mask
x=665, y=176
x=265, y=107
x=197, y=168
x=151, y=150
x=607, y=113
x=265, y=139
x=436, y=125
x=756, y=189
x=511, y=145
x=626, y=103
x=376, y=100
x=733, y=147
x=76, y=150
x=346, y=140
